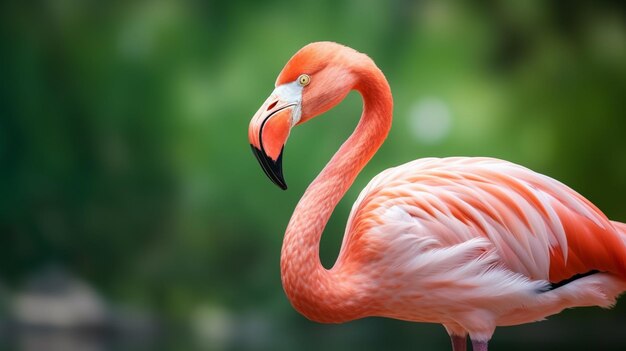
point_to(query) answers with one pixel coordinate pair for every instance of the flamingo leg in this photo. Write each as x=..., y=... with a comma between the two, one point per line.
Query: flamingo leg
x=459, y=342
x=479, y=345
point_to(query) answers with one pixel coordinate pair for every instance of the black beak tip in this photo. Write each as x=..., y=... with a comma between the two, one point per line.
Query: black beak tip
x=273, y=169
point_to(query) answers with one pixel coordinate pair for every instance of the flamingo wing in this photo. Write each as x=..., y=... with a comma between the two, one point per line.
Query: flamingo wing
x=539, y=227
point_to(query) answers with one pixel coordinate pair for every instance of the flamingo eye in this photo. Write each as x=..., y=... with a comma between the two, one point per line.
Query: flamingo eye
x=304, y=80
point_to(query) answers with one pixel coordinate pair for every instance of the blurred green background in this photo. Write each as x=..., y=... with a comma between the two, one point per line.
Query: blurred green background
x=126, y=174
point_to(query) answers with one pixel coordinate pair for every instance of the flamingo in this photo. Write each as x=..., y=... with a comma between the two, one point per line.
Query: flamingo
x=469, y=243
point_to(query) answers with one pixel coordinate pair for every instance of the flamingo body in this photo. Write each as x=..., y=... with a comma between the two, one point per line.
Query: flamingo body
x=466, y=241
x=471, y=243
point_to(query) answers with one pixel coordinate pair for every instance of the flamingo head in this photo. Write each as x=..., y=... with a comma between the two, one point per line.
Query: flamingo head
x=314, y=80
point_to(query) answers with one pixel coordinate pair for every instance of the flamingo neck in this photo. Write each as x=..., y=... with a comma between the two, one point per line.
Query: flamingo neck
x=320, y=294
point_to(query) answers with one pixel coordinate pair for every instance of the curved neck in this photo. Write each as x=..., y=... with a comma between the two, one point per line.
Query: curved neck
x=316, y=292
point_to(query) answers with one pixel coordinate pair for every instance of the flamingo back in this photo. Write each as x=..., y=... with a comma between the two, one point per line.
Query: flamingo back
x=538, y=226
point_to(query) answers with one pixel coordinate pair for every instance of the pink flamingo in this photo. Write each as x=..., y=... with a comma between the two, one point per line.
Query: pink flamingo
x=471, y=243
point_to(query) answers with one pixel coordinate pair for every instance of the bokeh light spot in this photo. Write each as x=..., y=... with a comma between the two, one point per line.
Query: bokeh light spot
x=430, y=120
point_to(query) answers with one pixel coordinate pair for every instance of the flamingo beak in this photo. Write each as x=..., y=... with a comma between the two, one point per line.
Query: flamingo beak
x=273, y=169
x=268, y=133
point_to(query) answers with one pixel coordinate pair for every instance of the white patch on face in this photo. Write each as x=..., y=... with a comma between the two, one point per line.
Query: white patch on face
x=291, y=93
